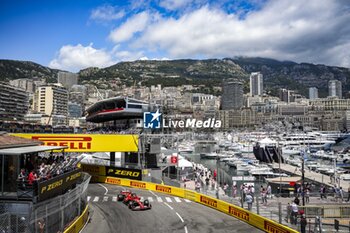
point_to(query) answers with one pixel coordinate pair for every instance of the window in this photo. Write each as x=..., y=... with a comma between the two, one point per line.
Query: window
x=134, y=106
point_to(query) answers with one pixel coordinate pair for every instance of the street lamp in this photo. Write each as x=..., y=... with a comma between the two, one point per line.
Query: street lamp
x=303, y=176
x=217, y=177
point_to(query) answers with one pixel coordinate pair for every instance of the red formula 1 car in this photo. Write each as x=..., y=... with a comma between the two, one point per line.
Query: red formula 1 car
x=127, y=197
x=139, y=205
x=122, y=195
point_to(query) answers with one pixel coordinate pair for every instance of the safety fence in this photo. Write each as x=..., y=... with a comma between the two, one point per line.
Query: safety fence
x=276, y=208
x=249, y=217
x=50, y=216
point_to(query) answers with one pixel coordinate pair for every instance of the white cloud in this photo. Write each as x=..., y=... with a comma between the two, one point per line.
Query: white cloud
x=298, y=30
x=125, y=55
x=106, y=13
x=126, y=31
x=74, y=58
x=174, y=4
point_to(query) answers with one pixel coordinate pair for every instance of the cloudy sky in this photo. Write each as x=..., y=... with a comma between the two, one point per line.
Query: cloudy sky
x=73, y=35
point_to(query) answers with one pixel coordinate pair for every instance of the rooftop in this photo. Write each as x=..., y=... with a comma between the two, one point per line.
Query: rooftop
x=9, y=141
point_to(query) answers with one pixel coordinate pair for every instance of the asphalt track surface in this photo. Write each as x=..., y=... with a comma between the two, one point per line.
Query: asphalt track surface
x=168, y=214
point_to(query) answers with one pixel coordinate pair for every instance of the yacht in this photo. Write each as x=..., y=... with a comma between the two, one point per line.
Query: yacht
x=307, y=140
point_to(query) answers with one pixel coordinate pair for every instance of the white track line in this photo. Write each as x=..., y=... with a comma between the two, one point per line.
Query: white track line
x=88, y=198
x=159, y=199
x=105, y=198
x=150, y=199
x=104, y=188
x=168, y=206
x=177, y=199
x=96, y=199
x=182, y=220
x=114, y=199
x=186, y=200
x=153, y=193
x=168, y=199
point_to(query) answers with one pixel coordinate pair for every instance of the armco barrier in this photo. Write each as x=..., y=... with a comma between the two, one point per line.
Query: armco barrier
x=253, y=219
x=79, y=223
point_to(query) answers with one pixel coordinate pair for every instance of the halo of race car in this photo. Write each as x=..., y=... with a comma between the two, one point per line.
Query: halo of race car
x=133, y=201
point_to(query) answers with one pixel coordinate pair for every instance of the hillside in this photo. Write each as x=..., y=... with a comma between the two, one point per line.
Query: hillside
x=11, y=69
x=168, y=73
x=287, y=74
x=209, y=73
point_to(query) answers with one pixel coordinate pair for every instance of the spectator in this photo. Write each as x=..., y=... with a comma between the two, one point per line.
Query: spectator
x=295, y=210
x=234, y=191
x=269, y=191
x=22, y=175
x=41, y=225
x=252, y=190
x=21, y=178
x=263, y=196
x=32, y=177
x=249, y=200
x=296, y=200
x=289, y=212
x=307, y=195
x=348, y=194
x=303, y=223
x=225, y=187
x=341, y=194
x=323, y=191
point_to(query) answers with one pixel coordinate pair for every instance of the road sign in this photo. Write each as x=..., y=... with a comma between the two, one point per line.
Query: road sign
x=173, y=159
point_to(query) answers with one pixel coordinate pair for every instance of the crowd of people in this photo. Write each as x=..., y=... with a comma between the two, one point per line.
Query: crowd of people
x=45, y=167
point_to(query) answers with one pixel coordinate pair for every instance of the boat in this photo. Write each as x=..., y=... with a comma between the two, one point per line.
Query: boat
x=309, y=140
x=209, y=155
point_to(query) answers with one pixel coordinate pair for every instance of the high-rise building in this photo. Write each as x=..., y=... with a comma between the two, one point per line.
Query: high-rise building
x=287, y=95
x=232, y=95
x=335, y=88
x=313, y=93
x=256, y=84
x=51, y=100
x=74, y=110
x=67, y=79
x=23, y=83
x=14, y=102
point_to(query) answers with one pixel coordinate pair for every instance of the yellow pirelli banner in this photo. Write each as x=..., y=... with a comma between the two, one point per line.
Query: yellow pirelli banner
x=88, y=142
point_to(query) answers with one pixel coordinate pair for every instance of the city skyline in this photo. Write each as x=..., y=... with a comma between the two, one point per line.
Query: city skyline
x=76, y=35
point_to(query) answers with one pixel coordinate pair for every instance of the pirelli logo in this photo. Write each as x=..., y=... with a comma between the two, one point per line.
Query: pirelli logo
x=72, y=142
x=90, y=169
x=163, y=189
x=273, y=228
x=113, y=181
x=138, y=184
x=209, y=201
x=238, y=213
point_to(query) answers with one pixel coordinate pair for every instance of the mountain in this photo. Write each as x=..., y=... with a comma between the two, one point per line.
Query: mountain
x=208, y=73
x=291, y=75
x=11, y=69
x=168, y=73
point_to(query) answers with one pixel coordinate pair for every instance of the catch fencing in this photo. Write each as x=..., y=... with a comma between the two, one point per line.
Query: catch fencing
x=50, y=216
